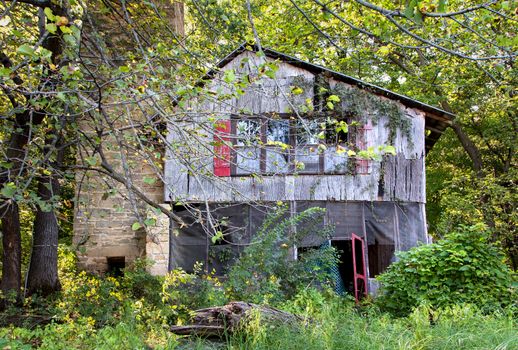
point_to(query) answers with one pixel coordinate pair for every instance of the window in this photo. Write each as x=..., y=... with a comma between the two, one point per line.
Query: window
x=247, y=146
x=307, y=151
x=277, y=147
x=287, y=144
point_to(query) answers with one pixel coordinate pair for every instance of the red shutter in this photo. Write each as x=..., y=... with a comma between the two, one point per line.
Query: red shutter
x=222, y=148
x=363, y=166
x=360, y=271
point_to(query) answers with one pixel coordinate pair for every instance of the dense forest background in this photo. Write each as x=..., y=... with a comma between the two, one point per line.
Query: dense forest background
x=66, y=65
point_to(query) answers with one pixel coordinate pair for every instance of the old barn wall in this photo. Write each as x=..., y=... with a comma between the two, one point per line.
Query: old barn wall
x=103, y=224
x=189, y=177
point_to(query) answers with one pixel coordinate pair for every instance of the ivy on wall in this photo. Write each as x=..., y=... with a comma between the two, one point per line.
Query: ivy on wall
x=356, y=103
x=361, y=104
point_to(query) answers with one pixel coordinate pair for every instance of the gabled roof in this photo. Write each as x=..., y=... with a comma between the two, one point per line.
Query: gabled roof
x=437, y=120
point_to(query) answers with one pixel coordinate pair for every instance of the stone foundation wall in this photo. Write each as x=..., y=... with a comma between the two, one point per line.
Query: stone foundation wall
x=104, y=216
x=157, y=247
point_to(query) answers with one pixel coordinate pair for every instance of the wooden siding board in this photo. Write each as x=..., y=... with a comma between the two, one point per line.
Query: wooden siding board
x=403, y=175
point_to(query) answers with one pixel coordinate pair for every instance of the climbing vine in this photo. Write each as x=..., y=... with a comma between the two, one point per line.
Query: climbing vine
x=360, y=104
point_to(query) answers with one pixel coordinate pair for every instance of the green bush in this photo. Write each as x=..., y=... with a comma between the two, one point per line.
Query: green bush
x=137, y=283
x=184, y=292
x=266, y=273
x=464, y=267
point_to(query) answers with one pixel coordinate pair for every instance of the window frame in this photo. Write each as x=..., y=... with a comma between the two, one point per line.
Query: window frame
x=292, y=138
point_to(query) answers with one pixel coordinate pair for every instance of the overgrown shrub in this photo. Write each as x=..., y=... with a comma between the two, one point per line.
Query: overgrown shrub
x=267, y=273
x=184, y=292
x=137, y=283
x=464, y=267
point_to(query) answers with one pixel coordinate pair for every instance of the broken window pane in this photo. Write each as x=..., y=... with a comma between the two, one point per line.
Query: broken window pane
x=248, y=132
x=277, y=156
x=278, y=131
x=277, y=160
x=308, y=131
x=307, y=159
x=248, y=160
x=337, y=132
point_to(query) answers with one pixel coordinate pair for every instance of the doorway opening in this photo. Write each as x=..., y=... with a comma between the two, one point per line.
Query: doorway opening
x=380, y=257
x=345, y=264
x=116, y=265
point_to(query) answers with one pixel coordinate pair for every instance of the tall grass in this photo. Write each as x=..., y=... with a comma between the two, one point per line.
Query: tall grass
x=339, y=325
x=330, y=323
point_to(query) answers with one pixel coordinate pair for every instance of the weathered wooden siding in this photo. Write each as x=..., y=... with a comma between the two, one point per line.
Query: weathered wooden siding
x=189, y=164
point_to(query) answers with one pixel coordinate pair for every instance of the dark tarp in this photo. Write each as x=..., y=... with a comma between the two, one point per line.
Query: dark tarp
x=387, y=226
x=347, y=218
x=189, y=243
x=310, y=235
x=380, y=222
x=411, y=225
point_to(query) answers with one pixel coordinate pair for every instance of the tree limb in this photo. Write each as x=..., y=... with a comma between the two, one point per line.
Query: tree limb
x=398, y=13
x=38, y=3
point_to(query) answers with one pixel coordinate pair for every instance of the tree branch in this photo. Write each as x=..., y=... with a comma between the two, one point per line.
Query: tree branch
x=38, y=3
x=398, y=13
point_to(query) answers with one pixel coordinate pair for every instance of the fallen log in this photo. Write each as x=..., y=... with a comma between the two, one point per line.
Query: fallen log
x=220, y=320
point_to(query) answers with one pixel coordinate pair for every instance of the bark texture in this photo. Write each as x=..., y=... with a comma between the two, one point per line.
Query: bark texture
x=43, y=270
x=12, y=245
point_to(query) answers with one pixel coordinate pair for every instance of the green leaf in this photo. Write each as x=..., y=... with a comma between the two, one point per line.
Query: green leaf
x=297, y=91
x=26, y=50
x=136, y=226
x=409, y=10
x=270, y=73
x=390, y=150
x=6, y=165
x=442, y=6
x=51, y=28
x=330, y=105
x=65, y=29
x=61, y=96
x=149, y=180
x=5, y=72
x=218, y=236
x=418, y=17
x=9, y=190
x=124, y=69
x=150, y=222
x=384, y=50
x=333, y=98
x=229, y=76
x=92, y=161
x=49, y=14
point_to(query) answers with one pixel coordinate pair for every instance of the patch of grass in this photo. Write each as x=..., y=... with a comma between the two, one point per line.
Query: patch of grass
x=339, y=325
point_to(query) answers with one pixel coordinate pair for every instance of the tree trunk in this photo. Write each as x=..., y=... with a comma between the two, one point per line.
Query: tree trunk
x=470, y=148
x=12, y=245
x=43, y=270
x=9, y=211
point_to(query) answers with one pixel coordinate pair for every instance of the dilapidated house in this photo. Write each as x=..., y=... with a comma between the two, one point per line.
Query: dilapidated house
x=270, y=128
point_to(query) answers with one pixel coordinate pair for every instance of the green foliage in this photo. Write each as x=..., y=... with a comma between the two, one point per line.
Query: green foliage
x=184, y=292
x=266, y=271
x=138, y=284
x=468, y=199
x=339, y=325
x=140, y=321
x=461, y=268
